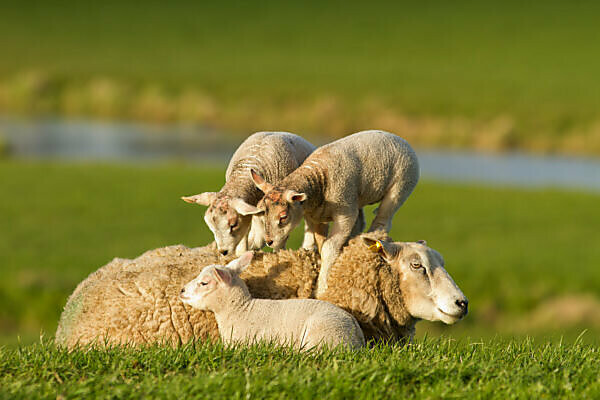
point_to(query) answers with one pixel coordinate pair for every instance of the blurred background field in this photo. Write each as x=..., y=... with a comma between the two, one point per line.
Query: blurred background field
x=517, y=79
x=462, y=74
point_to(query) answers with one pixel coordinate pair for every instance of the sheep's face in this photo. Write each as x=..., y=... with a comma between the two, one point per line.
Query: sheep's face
x=202, y=292
x=427, y=289
x=228, y=218
x=217, y=285
x=282, y=210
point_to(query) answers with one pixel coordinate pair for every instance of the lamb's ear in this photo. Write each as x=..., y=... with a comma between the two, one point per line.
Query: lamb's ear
x=222, y=275
x=204, y=199
x=385, y=249
x=240, y=264
x=260, y=182
x=292, y=196
x=243, y=208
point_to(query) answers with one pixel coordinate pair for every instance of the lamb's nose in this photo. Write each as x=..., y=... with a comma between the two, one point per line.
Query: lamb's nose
x=463, y=304
x=224, y=252
x=269, y=243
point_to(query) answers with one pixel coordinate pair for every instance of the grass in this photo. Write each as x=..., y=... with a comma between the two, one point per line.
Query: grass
x=430, y=368
x=462, y=74
x=513, y=252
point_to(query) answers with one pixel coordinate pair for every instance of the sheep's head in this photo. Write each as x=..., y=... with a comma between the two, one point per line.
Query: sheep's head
x=228, y=218
x=428, y=290
x=282, y=210
x=217, y=285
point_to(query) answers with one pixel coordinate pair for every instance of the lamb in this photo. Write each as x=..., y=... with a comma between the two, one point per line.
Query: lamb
x=137, y=301
x=303, y=323
x=333, y=184
x=231, y=213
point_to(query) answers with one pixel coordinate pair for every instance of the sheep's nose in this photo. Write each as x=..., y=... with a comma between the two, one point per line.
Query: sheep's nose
x=269, y=243
x=224, y=252
x=463, y=305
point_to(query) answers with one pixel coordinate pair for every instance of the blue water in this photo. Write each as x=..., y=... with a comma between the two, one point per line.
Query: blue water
x=124, y=142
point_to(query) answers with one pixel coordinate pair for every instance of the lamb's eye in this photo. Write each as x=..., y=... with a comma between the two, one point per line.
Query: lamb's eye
x=283, y=219
x=203, y=283
x=233, y=226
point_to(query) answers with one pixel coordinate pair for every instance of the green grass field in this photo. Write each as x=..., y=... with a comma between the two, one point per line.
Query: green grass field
x=432, y=368
x=521, y=256
x=464, y=74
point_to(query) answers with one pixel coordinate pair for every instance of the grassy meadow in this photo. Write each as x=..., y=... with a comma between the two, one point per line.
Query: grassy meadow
x=461, y=74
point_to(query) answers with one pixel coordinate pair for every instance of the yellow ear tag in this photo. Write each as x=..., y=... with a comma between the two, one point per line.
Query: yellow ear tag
x=376, y=247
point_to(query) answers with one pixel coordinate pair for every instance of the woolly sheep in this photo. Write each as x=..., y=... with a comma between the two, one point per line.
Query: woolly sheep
x=230, y=212
x=137, y=301
x=302, y=323
x=333, y=184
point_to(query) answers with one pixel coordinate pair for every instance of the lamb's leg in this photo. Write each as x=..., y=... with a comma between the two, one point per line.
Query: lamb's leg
x=340, y=232
x=359, y=225
x=256, y=234
x=242, y=246
x=385, y=212
x=309, y=239
x=319, y=231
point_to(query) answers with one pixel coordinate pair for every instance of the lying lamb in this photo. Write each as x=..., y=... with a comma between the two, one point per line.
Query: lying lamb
x=230, y=213
x=302, y=323
x=333, y=184
x=388, y=288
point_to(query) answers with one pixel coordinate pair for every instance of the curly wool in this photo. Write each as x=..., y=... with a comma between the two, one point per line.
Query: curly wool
x=137, y=301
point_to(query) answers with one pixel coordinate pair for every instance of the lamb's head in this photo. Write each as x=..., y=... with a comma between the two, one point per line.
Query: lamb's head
x=228, y=218
x=217, y=285
x=282, y=211
x=428, y=290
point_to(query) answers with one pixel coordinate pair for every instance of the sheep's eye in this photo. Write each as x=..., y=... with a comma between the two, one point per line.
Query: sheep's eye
x=203, y=283
x=233, y=226
x=416, y=265
x=283, y=218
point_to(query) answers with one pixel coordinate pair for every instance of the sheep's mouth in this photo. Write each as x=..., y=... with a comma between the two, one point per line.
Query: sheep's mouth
x=455, y=316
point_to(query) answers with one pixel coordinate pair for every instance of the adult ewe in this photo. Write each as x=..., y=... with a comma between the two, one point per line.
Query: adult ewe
x=230, y=212
x=387, y=287
x=333, y=184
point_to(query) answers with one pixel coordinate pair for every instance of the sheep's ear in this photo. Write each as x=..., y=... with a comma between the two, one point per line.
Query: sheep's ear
x=238, y=265
x=204, y=199
x=385, y=249
x=423, y=242
x=243, y=208
x=222, y=275
x=292, y=196
x=260, y=182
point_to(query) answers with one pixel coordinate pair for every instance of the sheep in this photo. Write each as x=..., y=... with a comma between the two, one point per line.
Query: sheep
x=334, y=184
x=303, y=323
x=230, y=215
x=137, y=301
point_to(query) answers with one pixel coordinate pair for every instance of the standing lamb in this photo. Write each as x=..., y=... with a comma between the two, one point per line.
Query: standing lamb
x=388, y=287
x=231, y=212
x=302, y=323
x=333, y=184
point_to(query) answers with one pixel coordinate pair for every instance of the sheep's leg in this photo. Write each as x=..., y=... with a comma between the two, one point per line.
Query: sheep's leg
x=385, y=212
x=359, y=225
x=242, y=246
x=319, y=230
x=256, y=234
x=309, y=238
x=340, y=232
